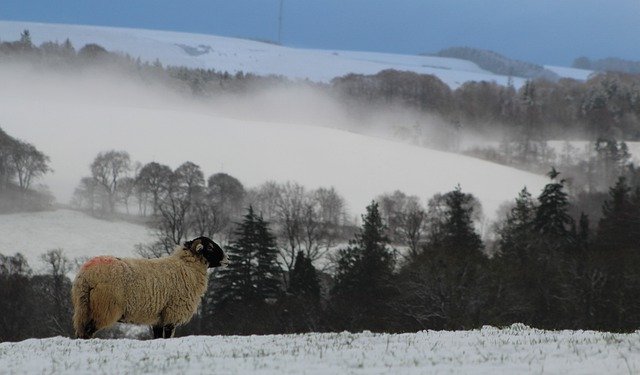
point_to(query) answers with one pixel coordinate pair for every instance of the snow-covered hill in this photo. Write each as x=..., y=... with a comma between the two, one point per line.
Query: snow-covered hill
x=72, y=121
x=232, y=54
x=514, y=350
x=78, y=235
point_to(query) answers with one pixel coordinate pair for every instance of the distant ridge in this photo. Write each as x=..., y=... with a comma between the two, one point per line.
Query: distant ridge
x=609, y=64
x=499, y=64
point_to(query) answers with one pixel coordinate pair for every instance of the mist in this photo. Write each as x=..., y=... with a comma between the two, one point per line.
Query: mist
x=278, y=132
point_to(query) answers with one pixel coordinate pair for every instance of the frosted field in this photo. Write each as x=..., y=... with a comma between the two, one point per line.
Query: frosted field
x=79, y=235
x=514, y=350
x=232, y=54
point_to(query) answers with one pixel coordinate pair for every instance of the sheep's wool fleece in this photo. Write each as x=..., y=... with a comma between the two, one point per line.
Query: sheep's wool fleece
x=145, y=291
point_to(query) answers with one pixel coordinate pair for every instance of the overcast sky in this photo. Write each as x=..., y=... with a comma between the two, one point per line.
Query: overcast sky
x=541, y=31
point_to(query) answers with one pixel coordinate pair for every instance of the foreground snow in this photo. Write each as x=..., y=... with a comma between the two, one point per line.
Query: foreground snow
x=517, y=349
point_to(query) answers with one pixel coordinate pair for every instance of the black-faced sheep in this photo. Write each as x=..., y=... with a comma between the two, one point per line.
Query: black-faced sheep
x=162, y=293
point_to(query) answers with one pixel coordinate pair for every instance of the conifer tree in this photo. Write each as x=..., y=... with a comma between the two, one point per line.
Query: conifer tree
x=458, y=233
x=619, y=226
x=443, y=287
x=363, y=279
x=268, y=272
x=253, y=273
x=552, y=220
x=304, y=278
x=516, y=231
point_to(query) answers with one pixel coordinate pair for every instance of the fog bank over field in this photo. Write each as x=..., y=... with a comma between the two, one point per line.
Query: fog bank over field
x=282, y=133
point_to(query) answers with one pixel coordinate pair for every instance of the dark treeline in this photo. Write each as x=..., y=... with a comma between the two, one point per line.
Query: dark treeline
x=546, y=268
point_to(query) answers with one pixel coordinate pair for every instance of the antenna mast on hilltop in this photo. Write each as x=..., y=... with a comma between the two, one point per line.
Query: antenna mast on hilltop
x=280, y=22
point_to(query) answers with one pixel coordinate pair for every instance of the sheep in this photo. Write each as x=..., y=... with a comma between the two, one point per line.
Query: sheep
x=162, y=293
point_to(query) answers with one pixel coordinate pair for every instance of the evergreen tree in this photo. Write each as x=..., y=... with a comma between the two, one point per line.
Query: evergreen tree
x=443, y=288
x=303, y=280
x=515, y=262
x=253, y=272
x=268, y=272
x=301, y=308
x=552, y=220
x=363, y=279
x=516, y=231
x=619, y=227
x=242, y=294
x=616, y=259
x=458, y=233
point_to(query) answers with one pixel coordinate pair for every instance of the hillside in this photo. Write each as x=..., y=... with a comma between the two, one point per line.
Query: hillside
x=233, y=55
x=77, y=234
x=514, y=350
x=74, y=121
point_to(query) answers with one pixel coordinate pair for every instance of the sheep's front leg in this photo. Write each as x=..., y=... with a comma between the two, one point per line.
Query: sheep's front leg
x=158, y=330
x=169, y=330
x=163, y=331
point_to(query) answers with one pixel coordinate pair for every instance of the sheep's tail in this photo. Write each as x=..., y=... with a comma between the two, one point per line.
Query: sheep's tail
x=80, y=296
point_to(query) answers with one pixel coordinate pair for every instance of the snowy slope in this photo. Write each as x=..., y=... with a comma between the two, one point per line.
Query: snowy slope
x=232, y=54
x=77, y=234
x=72, y=124
x=514, y=350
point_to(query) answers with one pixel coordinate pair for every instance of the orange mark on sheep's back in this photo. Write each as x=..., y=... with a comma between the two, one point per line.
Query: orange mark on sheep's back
x=98, y=260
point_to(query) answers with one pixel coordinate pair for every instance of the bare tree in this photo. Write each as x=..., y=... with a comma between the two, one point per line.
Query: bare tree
x=126, y=188
x=89, y=194
x=153, y=179
x=290, y=210
x=107, y=169
x=405, y=219
x=28, y=164
x=58, y=290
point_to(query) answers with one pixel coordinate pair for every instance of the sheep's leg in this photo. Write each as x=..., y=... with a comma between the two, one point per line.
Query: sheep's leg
x=169, y=330
x=88, y=330
x=105, y=310
x=158, y=331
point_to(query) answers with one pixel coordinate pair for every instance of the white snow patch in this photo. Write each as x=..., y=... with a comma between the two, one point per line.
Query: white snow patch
x=514, y=350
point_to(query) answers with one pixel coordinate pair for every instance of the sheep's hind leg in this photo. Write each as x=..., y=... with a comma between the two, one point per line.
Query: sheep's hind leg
x=169, y=331
x=89, y=330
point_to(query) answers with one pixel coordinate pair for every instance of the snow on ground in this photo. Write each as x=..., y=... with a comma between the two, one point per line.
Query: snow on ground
x=513, y=350
x=77, y=234
x=232, y=54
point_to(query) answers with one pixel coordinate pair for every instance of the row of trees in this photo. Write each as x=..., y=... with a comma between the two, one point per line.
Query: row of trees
x=548, y=268
x=21, y=165
x=180, y=204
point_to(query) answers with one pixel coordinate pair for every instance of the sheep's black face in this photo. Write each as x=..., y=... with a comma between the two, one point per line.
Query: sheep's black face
x=209, y=250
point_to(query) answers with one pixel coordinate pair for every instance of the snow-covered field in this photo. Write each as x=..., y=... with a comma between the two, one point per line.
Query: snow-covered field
x=513, y=350
x=232, y=54
x=78, y=235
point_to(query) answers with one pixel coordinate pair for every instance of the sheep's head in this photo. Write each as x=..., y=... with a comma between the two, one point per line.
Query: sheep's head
x=209, y=251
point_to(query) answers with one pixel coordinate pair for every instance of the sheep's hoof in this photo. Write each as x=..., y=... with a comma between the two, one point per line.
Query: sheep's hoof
x=166, y=332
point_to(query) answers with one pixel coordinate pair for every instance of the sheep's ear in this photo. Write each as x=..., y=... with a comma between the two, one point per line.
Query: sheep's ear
x=187, y=245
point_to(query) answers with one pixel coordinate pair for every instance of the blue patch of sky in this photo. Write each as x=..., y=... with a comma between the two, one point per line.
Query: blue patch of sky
x=541, y=31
